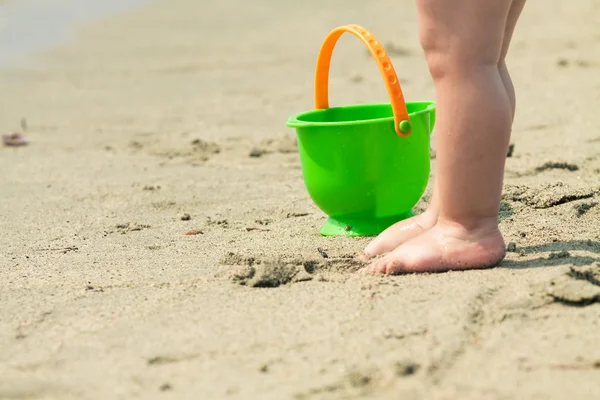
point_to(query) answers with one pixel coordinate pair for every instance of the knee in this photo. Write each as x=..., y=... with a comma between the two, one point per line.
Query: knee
x=436, y=51
x=447, y=56
x=438, y=64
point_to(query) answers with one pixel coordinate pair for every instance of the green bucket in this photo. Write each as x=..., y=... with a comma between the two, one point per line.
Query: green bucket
x=364, y=165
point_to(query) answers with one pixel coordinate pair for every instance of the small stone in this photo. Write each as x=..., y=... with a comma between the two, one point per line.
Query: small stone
x=406, y=368
x=264, y=368
x=511, y=149
x=560, y=254
x=512, y=247
x=522, y=253
x=322, y=252
x=186, y=217
x=387, y=334
x=165, y=386
x=194, y=232
x=256, y=153
x=14, y=139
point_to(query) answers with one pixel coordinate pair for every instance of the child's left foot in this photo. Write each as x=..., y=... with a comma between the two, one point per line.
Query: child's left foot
x=399, y=233
x=445, y=247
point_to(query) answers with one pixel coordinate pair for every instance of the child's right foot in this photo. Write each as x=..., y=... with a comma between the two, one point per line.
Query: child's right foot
x=399, y=233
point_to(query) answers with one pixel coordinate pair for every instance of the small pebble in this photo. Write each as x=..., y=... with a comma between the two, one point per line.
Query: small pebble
x=165, y=386
x=406, y=368
x=194, y=232
x=561, y=254
x=256, y=153
x=14, y=139
x=512, y=247
x=264, y=368
x=511, y=149
x=186, y=217
x=322, y=252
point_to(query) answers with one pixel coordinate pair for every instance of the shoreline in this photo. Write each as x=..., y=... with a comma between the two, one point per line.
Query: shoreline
x=34, y=26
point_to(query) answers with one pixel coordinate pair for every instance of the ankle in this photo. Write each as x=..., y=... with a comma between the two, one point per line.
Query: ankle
x=427, y=218
x=431, y=213
x=478, y=228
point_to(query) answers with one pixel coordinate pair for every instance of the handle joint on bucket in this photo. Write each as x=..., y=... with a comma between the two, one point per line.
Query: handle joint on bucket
x=402, y=124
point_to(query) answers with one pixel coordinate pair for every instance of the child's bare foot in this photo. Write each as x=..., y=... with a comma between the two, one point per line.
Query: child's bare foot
x=399, y=233
x=446, y=246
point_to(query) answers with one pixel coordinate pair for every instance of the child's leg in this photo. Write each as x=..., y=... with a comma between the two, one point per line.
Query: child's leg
x=513, y=15
x=463, y=42
x=407, y=229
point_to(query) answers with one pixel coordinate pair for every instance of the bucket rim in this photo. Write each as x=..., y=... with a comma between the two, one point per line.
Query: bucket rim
x=295, y=120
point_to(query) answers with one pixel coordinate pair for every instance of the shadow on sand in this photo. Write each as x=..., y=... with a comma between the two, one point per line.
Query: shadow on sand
x=559, y=254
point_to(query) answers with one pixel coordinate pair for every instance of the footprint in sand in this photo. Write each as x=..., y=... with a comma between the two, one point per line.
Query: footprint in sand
x=547, y=196
x=198, y=150
x=578, y=287
x=274, y=272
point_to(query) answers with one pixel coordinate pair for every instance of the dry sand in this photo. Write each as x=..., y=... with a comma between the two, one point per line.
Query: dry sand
x=154, y=113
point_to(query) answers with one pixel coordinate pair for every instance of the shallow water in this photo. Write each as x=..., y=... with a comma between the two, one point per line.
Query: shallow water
x=27, y=26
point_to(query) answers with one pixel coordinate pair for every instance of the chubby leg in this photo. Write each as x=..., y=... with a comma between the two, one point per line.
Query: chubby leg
x=408, y=229
x=463, y=42
x=513, y=16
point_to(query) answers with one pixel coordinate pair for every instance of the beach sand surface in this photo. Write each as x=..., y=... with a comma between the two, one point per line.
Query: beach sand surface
x=179, y=107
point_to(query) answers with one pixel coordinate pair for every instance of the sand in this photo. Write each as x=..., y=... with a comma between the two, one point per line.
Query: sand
x=151, y=114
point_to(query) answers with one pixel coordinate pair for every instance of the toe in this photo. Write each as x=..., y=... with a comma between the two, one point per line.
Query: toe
x=397, y=262
x=397, y=234
x=380, y=266
x=387, y=241
x=392, y=266
x=373, y=249
x=364, y=256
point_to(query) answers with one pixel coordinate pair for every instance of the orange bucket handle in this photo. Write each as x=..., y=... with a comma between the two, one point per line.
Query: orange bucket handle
x=402, y=123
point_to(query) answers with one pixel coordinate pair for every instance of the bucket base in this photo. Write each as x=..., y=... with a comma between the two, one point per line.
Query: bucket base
x=334, y=227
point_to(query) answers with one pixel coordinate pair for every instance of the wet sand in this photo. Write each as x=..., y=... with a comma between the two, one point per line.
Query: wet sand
x=152, y=114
